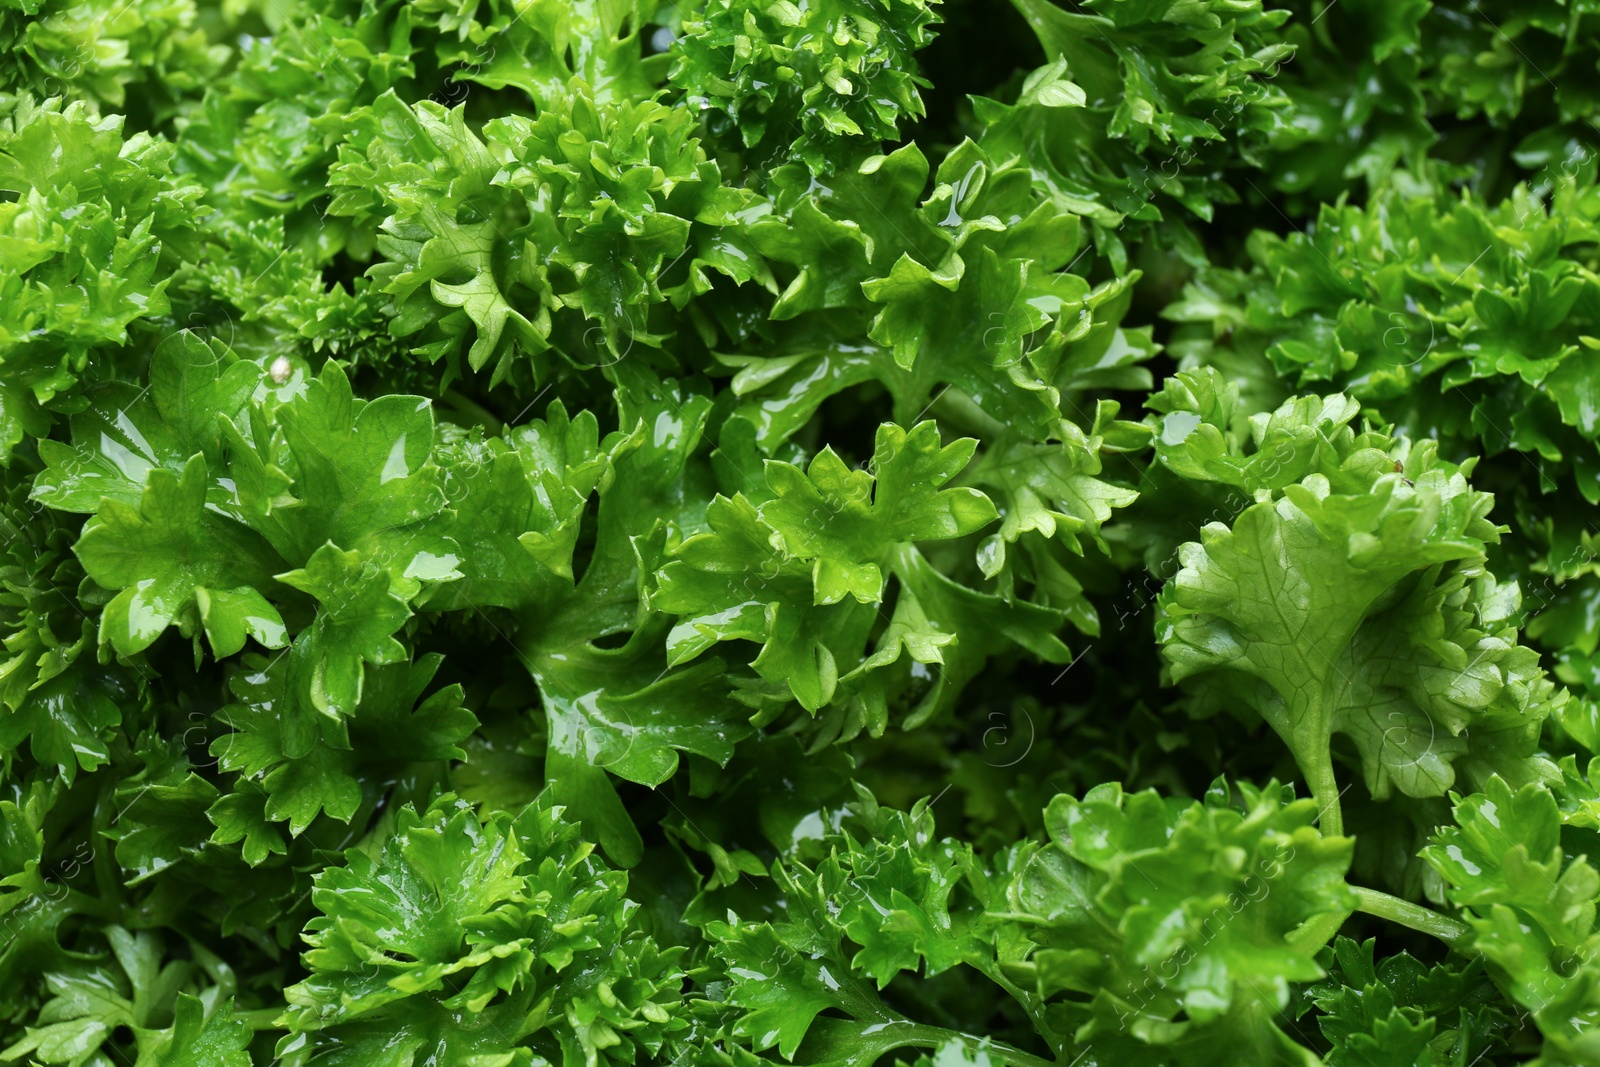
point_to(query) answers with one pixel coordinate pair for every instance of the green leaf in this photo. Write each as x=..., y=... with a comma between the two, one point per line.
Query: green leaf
x=1530, y=907
x=365, y=480
x=127, y=433
x=845, y=519
x=355, y=625
x=241, y=817
x=175, y=562
x=395, y=733
x=1168, y=921
x=197, y=1040
x=534, y=54
x=884, y=886
x=68, y=720
x=1398, y=1011
x=803, y=572
x=466, y=941
x=94, y=1001
x=1306, y=602
x=801, y=80
x=519, y=503
x=93, y=224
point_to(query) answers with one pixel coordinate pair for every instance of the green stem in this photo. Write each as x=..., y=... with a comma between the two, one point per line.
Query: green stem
x=85, y=904
x=1330, y=820
x=867, y=1042
x=475, y=411
x=934, y=1036
x=261, y=1019
x=960, y=409
x=1034, y=1009
x=1316, y=932
x=1325, y=791
x=1414, y=916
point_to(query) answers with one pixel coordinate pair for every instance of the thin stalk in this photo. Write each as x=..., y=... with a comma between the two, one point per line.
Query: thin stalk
x=1325, y=791
x=957, y=407
x=85, y=904
x=1315, y=933
x=1330, y=820
x=475, y=411
x=934, y=1036
x=868, y=1041
x=1034, y=1009
x=1413, y=916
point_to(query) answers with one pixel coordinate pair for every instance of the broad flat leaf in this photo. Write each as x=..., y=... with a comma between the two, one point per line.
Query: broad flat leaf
x=1308, y=595
x=364, y=479
x=177, y=562
x=127, y=433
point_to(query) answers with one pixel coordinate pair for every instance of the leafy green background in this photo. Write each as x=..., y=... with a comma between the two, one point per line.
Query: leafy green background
x=602, y=532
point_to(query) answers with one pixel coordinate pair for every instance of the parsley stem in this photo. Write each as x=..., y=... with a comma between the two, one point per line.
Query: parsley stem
x=1017, y=1057
x=474, y=411
x=1317, y=931
x=1325, y=791
x=934, y=1036
x=1413, y=916
x=1318, y=770
x=1032, y=1005
x=868, y=1041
